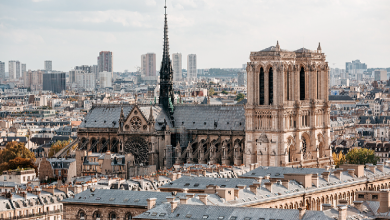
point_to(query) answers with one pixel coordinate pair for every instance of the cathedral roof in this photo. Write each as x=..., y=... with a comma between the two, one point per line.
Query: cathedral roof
x=211, y=117
x=272, y=48
x=303, y=50
x=107, y=116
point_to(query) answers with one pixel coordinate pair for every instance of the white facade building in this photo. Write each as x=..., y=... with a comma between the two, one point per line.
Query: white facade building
x=177, y=66
x=191, y=67
x=85, y=80
x=14, y=69
x=105, y=79
x=48, y=65
x=148, y=64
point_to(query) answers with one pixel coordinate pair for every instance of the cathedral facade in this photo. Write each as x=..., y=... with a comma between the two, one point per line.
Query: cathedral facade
x=287, y=113
x=284, y=123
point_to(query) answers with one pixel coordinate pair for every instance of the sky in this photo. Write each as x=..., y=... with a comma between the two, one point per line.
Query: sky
x=221, y=32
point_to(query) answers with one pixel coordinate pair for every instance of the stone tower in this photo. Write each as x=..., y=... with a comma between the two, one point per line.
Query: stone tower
x=166, y=98
x=287, y=113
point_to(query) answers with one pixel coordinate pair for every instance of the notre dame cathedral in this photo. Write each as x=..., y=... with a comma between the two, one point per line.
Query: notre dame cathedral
x=284, y=123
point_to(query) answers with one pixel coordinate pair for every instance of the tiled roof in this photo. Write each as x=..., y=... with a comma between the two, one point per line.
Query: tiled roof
x=210, y=117
x=277, y=172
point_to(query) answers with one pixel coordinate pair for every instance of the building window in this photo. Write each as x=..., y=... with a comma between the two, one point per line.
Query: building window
x=361, y=196
x=374, y=196
x=271, y=85
x=128, y=216
x=82, y=216
x=112, y=216
x=96, y=216
x=302, y=84
x=261, y=86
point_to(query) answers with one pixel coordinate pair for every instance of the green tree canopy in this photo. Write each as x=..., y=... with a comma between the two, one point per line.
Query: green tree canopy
x=18, y=163
x=16, y=149
x=57, y=146
x=240, y=97
x=224, y=92
x=361, y=156
x=211, y=91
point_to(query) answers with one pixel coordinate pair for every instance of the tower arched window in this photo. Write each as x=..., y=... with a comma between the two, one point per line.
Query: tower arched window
x=302, y=84
x=112, y=216
x=288, y=86
x=261, y=86
x=82, y=215
x=271, y=86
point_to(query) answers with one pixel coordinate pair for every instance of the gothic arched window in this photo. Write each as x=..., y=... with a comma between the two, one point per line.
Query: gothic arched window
x=261, y=86
x=302, y=84
x=271, y=85
x=288, y=85
x=82, y=215
x=304, y=147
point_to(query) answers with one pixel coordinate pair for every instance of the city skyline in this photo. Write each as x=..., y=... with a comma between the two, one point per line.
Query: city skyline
x=218, y=34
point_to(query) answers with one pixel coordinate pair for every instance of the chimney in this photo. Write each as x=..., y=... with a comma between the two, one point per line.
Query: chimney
x=268, y=186
x=358, y=205
x=170, y=198
x=203, y=198
x=183, y=200
x=326, y=207
x=173, y=206
x=384, y=201
x=189, y=196
x=151, y=202
x=342, y=212
x=333, y=167
x=204, y=173
x=327, y=168
x=185, y=190
x=380, y=166
x=338, y=174
x=314, y=179
x=325, y=175
x=256, y=165
x=266, y=177
x=178, y=175
x=253, y=189
x=372, y=168
x=240, y=186
x=351, y=172
x=236, y=192
x=259, y=179
x=302, y=211
x=252, y=166
x=285, y=183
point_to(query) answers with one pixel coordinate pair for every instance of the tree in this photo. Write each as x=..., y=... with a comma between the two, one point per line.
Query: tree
x=16, y=149
x=338, y=159
x=57, y=146
x=361, y=156
x=211, y=91
x=18, y=163
x=240, y=97
x=375, y=84
x=224, y=92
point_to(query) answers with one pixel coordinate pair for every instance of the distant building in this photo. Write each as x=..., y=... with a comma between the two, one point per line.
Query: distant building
x=95, y=70
x=33, y=79
x=2, y=71
x=355, y=66
x=241, y=78
x=148, y=64
x=85, y=80
x=191, y=67
x=105, y=61
x=23, y=69
x=48, y=65
x=177, y=66
x=14, y=69
x=105, y=79
x=380, y=75
x=54, y=82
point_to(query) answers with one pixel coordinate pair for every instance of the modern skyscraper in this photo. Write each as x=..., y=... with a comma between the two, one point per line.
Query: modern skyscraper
x=105, y=61
x=33, y=80
x=105, y=79
x=191, y=67
x=2, y=71
x=177, y=66
x=380, y=75
x=166, y=98
x=23, y=69
x=355, y=66
x=95, y=70
x=148, y=64
x=14, y=69
x=54, y=82
x=48, y=65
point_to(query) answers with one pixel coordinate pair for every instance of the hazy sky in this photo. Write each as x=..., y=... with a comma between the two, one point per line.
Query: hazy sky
x=221, y=32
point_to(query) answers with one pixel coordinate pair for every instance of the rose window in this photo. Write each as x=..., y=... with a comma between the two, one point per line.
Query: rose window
x=135, y=123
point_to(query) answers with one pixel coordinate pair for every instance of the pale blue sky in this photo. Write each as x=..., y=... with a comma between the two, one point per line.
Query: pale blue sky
x=221, y=32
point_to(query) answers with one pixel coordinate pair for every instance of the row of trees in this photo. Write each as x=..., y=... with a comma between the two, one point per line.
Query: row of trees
x=355, y=156
x=16, y=156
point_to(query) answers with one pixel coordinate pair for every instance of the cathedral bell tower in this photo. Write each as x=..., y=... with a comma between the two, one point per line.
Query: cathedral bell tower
x=166, y=98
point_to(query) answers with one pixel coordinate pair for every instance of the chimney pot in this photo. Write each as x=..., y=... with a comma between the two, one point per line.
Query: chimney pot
x=151, y=202
x=173, y=206
x=302, y=211
x=342, y=212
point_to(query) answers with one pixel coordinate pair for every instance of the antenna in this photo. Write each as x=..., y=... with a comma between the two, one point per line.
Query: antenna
x=165, y=7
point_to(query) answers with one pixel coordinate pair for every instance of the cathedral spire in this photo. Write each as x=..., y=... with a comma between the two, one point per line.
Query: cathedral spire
x=166, y=98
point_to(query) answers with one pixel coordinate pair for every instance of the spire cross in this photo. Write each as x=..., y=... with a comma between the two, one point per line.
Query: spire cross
x=165, y=7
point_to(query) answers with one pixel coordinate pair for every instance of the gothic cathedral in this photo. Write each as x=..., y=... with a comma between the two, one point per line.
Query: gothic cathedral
x=287, y=113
